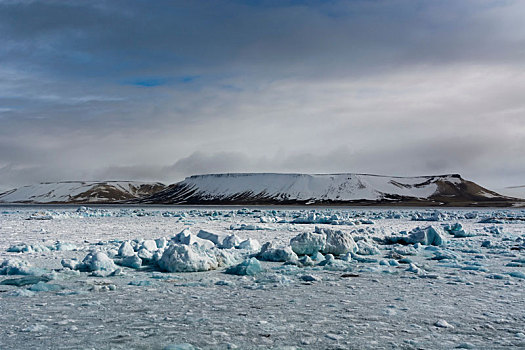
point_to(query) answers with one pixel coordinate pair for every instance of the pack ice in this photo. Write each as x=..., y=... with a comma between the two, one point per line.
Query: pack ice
x=252, y=278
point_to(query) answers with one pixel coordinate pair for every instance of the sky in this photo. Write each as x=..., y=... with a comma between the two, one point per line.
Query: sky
x=160, y=90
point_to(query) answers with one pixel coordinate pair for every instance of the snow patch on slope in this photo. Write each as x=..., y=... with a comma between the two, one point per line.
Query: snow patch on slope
x=336, y=187
x=76, y=191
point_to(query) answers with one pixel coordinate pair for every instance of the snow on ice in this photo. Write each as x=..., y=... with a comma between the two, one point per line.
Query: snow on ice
x=301, y=278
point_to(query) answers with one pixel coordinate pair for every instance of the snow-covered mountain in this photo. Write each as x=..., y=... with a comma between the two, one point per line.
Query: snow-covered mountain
x=270, y=188
x=81, y=192
x=513, y=191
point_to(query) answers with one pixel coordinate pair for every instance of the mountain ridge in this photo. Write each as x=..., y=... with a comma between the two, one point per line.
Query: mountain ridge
x=269, y=189
x=80, y=192
x=326, y=189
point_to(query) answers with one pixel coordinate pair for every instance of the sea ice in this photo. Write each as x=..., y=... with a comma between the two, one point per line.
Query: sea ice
x=230, y=241
x=210, y=236
x=21, y=293
x=149, y=244
x=17, y=267
x=249, y=267
x=188, y=238
x=268, y=253
x=337, y=242
x=126, y=249
x=249, y=244
x=414, y=269
x=28, y=248
x=457, y=230
x=367, y=248
x=425, y=236
x=133, y=262
x=187, y=258
x=308, y=243
x=443, y=324
x=146, y=255
x=70, y=263
x=97, y=261
x=305, y=260
x=161, y=243
x=517, y=274
x=45, y=287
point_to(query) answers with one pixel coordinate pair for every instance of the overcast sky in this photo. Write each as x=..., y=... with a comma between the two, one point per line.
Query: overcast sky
x=159, y=90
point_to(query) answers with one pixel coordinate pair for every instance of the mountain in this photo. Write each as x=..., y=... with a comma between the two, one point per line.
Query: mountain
x=513, y=191
x=272, y=189
x=81, y=192
x=332, y=189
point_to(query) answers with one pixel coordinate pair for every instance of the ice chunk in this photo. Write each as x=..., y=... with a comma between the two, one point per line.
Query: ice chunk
x=414, y=269
x=61, y=246
x=305, y=260
x=443, y=324
x=145, y=254
x=327, y=258
x=187, y=258
x=245, y=227
x=517, y=274
x=330, y=263
x=367, y=248
x=40, y=216
x=187, y=238
x=70, y=263
x=133, y=262
x=210, y=236
x=495, y=230
x=18, y=267
x=457, y=231
x=268, y=253
x=126, y=249
x=97, y=261
x=21, y=293
x=444, y=254
x=249, y=267
x=310, y=278
x=318, y=257
x=230, y=241
x=142, y=283
x=308, y=243
x=337, y=242
x=156, y=256
x=149, y=244
x=228, y=257
x=393, y=262
x=249, y=244
x=45, y=287
x=28, y=248
x=161, y=243
x=426, y=236
x=405, y=250
x=24, y=281
x=346, y=257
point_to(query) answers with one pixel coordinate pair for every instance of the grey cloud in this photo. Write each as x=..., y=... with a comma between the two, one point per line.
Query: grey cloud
x=397, y=87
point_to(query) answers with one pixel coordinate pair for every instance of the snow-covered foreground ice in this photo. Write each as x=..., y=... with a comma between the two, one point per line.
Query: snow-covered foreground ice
x=112, y=278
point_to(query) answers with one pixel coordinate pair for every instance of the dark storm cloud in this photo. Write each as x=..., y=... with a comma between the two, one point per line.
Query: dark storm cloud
x=164, y=89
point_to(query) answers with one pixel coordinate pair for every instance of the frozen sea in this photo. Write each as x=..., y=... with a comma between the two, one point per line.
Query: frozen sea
x=465, y=290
